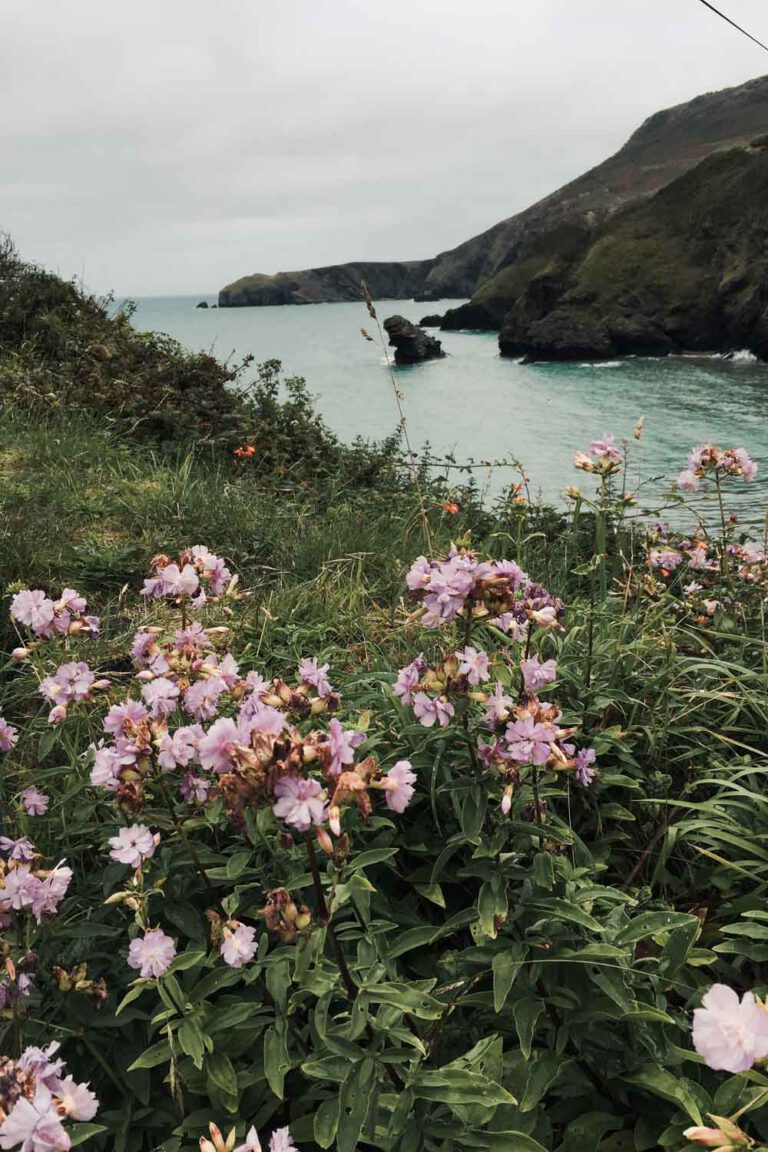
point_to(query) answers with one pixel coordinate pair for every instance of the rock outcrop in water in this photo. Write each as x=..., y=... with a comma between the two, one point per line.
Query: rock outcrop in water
x=524, y=264
x=411, y=343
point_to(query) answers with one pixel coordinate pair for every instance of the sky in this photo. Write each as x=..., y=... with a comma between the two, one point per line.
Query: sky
x=171, y=146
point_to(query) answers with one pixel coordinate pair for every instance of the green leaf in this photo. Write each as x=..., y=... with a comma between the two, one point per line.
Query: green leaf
x=131, y=995
x=372, y=856
x=585, y=1133
x=650, y=924
x=355, y=1100
x=187, y=960
x=79, y=1133
x=276, y=1059
x=662, y=1083
x=502, y=1142
x=326, y=1122
x=542, y=1073
x=413, y=938
x=221, y=1072
x=156, y=1054
x=526, y=1012
x=246, y=1012
x=191, y=1039
x=506, y=966
x=406, y=998
x=458, y=1086
x=558, y=909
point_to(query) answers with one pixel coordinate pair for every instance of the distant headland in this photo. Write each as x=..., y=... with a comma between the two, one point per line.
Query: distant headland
x=659, y=249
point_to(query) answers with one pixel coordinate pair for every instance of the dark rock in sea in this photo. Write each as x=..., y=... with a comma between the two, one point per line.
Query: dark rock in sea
x=434, y=320
x=202, y=304
x=472, y=317
x=411, y=343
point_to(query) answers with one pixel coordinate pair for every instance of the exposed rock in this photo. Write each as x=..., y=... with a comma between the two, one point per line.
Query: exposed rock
x=473, y=318
x=411, y=343
x=202, y=304
x=434, y=320
x=496, y=265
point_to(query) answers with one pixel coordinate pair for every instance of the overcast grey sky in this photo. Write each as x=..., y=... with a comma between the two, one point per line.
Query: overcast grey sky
x=165, y=146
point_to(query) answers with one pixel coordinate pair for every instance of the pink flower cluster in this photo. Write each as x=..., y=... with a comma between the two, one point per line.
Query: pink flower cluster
x=197, y=575
x=498, y=592
x=279, y=1141
x=533, y=735
x=730, y=1034
x=70, y=684
x=603, y=457
x=46, y=617
x=36, y=1098
x=24, y=888
x=707, y=459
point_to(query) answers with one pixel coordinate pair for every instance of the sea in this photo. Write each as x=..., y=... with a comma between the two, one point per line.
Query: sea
x=479, y=413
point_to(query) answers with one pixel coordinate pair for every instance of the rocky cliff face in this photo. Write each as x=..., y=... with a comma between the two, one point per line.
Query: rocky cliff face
x=686, y=270
x=539, y=242
x=336, y=283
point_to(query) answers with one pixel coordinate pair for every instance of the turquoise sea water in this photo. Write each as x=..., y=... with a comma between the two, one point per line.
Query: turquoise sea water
x=476, y=404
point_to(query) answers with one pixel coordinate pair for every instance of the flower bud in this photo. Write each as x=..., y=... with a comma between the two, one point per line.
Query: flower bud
x=101, y=684
x=116, y=898
x=145, y=676
x=325, y=841
x=19, y=653
x=57, y=714
x=709, y=1137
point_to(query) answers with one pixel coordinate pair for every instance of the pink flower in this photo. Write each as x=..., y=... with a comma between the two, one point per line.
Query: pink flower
x=664, y=558
x=529, y=742
x=605, y=448
x=537, y=674
x=419, y=574
x=309, y=673
x=51, y=891
x=8, y=735
x=498, y=706
x=161, y=697
x=194, y=789
x=473, y=664
x=280, y=1141
x=35, y=610
x=201, y=699
x=300, y=803
x=132, y=712
x=730, y=1035
x=238, y=946
x=34, y=1124
x=180, y=749
x=399, y=783
x=428, y=711
x=107, y=764
x=219, y=745
x=151, y=953
x=585, y=773
x=77, y=1100
x=34, y=802
x=408, y=678
x=70, y=683
x=342, y=743
x=133, y=845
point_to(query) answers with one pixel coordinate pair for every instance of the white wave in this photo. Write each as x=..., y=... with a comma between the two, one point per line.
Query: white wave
x=603, y=364
x=744, y=356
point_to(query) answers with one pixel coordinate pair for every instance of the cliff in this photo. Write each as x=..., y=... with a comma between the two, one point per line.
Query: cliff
x=686, y=270
x=666, y=146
